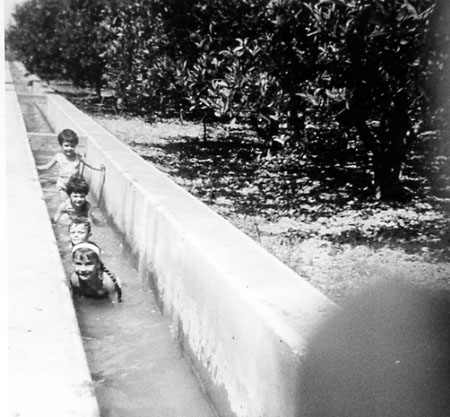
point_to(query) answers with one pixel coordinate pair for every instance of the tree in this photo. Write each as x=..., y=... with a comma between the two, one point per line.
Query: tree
x=82, y=48
x=60, y=39
x=379, y=67
x=299, y=72
x=34, y=36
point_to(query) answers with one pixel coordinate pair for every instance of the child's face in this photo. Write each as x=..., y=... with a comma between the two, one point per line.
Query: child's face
x=86, y=267
x=68, y=148
x=77, y=199
x=79, y=233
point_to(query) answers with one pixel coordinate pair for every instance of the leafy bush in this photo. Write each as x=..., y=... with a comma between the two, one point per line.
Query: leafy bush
x=332, y=79
x=381, y=73
x=60, y=39
x=34, y=37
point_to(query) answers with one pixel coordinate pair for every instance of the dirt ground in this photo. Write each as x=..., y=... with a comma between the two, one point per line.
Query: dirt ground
x=338, y=241
x=338, y=267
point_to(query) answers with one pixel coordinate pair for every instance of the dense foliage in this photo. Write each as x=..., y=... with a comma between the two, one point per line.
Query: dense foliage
x=60, y=39
x=347, y=81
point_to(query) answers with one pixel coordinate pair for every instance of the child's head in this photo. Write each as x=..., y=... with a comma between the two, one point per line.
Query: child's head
x=69, y=136
x=86, y=260
x=79, y=230
x=77, y=189
x=68, y=141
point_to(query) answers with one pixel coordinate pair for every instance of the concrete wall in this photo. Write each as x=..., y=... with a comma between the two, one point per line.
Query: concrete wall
x=47, y=368
x=243, y=316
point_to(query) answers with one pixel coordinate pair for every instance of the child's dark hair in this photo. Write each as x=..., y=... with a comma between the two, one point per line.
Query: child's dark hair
x=77, y=184
x=114, y=280
x=68, y=135
x=81, y=220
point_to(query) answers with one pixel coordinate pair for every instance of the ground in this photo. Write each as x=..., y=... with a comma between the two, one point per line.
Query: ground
x=307, y=217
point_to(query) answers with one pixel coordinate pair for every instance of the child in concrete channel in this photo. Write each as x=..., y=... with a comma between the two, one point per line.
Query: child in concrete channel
x=68, y=159
x=79, y=231
x=76, y=205
x=90, y=277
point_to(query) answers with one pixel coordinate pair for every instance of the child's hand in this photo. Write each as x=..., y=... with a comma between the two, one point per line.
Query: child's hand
x=93, y=220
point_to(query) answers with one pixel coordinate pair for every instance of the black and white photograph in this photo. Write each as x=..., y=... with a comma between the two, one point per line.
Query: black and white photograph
x=226, y=208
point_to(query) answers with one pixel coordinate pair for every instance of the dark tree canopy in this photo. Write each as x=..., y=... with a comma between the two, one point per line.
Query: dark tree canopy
x=323, y=77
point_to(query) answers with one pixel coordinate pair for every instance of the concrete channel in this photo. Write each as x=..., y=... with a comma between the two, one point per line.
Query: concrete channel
x=48, y=372
x=240, y=317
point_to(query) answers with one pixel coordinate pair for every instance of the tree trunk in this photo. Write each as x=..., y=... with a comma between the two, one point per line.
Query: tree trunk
x=296, y=124
x=388, y=147
x=387, y=178
x=393, y=129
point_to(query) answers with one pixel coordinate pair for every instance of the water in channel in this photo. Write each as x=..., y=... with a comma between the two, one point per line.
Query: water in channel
x=138, y=369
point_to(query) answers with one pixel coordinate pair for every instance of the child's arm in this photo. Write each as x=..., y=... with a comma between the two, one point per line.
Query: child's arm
x=58, y=213
x=90, y=215
x=99, y=168
x=48, y=165
x=74, y=284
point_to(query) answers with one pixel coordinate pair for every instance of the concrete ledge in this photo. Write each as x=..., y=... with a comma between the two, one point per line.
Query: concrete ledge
x=36, y=98
x=48, y=372
x=243, y=316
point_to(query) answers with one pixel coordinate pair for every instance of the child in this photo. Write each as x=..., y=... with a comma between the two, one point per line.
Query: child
x=76, y=205
x=79, y=231
x=90, y=278
x=68, y=159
